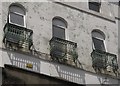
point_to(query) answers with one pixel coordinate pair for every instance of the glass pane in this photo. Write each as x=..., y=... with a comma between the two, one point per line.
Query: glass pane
x=17, y=19
x=94, y=6
x=98, y=35
x=98, y=44
x=58, y=32
x=59, y=22
x=17, y=9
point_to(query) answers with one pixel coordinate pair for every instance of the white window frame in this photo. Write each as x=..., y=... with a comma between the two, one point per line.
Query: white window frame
x=59, y=26
x=24, y=18
x=99, y=39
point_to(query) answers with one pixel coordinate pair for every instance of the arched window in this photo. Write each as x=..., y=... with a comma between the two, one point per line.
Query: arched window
x=58, y=26
x=98, y=38
x=17, y=14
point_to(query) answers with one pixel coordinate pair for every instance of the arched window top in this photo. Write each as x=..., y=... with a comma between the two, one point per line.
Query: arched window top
x=17, y=14
x=98, y=38
x=18, y=8
x=58, y=21
x=98, y=34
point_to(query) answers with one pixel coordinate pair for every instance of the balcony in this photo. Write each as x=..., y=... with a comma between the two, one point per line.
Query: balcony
x=17, y=37
x=63, y=50
x=104, y=60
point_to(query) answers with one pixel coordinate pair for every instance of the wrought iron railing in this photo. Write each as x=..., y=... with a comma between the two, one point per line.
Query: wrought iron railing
x=20, y=36
x=103, y=60
x=62, y=50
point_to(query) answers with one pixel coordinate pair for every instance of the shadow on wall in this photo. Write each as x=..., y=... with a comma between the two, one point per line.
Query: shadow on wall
x=24, y=61
x=107, y=80
x=71, y=74
x=13, y=75
x=65, y=72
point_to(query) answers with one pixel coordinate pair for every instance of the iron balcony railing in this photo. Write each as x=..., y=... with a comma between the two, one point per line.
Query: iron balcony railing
x=61, y=49
x=103, y=60
x=18, y=35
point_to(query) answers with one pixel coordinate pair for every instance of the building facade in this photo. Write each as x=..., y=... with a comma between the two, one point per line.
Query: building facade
x=71, y=41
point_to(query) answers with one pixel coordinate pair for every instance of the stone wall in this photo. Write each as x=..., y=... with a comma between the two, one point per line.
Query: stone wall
x=80, y=25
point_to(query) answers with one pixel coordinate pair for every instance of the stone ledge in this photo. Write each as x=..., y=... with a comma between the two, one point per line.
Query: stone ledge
x=84, y=67
x=100, y=15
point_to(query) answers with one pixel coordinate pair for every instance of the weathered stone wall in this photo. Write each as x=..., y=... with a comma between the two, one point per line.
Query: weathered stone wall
x=80, y=25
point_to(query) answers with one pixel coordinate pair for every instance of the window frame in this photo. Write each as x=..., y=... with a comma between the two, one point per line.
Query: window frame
x=104, y=42
x=96, y=4
x=20, y=14
x=60, y=26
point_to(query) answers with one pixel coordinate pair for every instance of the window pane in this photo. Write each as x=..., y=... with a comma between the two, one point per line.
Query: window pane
x=98, y=35
x=94, y=6
x=98, y=44
x=17, y=19
x=58, y=32
x=17, y=9
x=59, y=22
